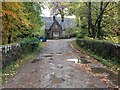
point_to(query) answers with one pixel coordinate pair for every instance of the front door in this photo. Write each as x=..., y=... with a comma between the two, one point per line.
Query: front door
x=56, y=34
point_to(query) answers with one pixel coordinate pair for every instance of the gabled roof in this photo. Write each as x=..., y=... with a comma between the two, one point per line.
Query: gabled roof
x=68, y=22
x=62, y=24
x=56, y=23
x=48, y=24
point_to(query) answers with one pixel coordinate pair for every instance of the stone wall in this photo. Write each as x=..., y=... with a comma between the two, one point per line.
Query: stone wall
x=10, y=53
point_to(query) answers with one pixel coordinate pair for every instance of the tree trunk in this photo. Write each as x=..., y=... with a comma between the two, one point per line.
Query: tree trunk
x=9, y=39
x=89, y=18
x=62, y=18
x=99, y=22
x=93, y=27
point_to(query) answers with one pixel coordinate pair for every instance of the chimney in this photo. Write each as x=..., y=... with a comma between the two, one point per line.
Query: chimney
x=53, y=18
x=62, y=19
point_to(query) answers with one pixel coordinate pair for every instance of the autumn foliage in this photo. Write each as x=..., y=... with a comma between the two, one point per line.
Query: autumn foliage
x=16, y=21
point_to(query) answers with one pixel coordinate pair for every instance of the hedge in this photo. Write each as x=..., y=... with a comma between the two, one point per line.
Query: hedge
x=101, y=48
x=29, y=45
x=12, y=52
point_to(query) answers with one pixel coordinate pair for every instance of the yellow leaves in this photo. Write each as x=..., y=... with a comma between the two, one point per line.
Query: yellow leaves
x=6, y=74
x=17, y=65
x=10, y=13
x=11, y=5
x=15, y=15
x=27, y=23
x=13, y=9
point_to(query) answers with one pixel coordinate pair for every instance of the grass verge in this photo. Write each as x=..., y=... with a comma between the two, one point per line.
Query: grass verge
x=110, y=63
x=11, y=69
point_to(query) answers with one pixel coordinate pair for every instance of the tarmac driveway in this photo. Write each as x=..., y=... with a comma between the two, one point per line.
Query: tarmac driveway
x=50, y=69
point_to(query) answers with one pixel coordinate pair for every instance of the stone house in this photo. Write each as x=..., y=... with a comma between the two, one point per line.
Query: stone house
x=54, y=29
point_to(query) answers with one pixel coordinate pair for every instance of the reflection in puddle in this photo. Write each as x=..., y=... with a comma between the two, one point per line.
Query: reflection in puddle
x=82, y=61
x=74, y=60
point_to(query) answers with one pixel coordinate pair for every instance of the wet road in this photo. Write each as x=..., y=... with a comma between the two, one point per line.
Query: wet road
x=50, y=69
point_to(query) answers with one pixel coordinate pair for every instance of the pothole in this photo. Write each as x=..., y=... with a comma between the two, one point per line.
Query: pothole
x=45, y=50
x=71, y=75
x=82, y=57
x=85, y=61
x=59, y=66
x=47, y=55
x=36, y=60
x=55, y=79
x=50, y=61
x=59, y=53
x=51, y=58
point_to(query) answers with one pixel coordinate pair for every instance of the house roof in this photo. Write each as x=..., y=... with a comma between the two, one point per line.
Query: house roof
x=48, y=24
x=68, y=22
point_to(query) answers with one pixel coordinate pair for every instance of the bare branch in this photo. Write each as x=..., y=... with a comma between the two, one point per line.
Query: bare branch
x=101, y=13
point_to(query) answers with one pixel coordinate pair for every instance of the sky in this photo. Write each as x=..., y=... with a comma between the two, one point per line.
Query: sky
x=46, y=12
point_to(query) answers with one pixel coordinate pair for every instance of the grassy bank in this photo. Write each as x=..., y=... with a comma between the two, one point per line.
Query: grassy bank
x=11, y=69
x=111, y=63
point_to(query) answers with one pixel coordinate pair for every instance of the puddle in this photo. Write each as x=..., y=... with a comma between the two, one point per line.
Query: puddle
x=55, y=79
x=82, y=57
x=109, y=74
x=59, y=66
x=45, y=50
x=36, y=60
x=82, y=60
x=47, y=55
x=51, y=58
x=74, y=60
x=50, y=61
x=85, y=61
x=71, y=75
x=59, y=53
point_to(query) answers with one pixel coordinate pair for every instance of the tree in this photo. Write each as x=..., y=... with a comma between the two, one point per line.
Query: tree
x=11, y=19
x=89, y=18
x=99, y=18
x=59, y=8
x=20, y=20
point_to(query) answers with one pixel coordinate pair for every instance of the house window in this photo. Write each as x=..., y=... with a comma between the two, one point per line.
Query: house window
x=55, y=26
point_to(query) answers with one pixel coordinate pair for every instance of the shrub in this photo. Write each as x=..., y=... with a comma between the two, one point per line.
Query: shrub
x=101, y=48
x=29, y=45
